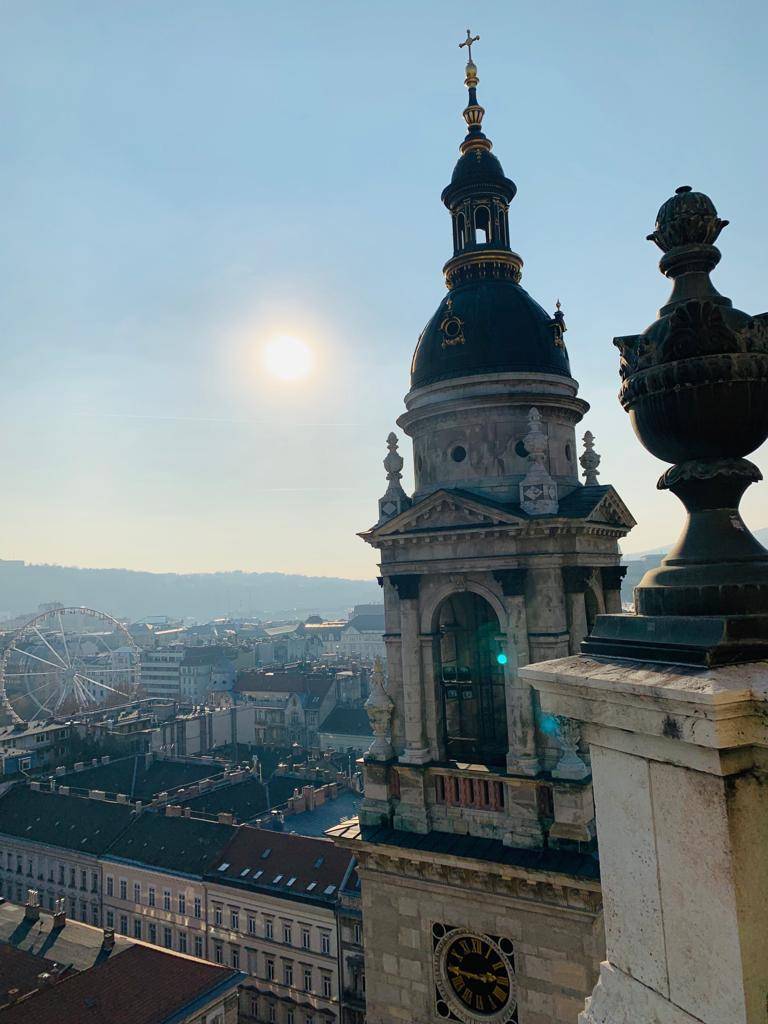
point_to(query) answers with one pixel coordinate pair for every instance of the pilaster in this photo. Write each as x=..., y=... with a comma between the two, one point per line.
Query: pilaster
x=575, y=583
x=416, y=748
x=521, y=757
x=612, y=577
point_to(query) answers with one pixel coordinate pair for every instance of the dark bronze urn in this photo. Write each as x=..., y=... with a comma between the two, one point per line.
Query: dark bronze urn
x=695, y=385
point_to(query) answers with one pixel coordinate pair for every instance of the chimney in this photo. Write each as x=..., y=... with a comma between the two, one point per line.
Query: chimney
x=59, y=913
x=108, y=942
x=32, y=906
x=13, y=995
x=225, y=818
x=45, y=979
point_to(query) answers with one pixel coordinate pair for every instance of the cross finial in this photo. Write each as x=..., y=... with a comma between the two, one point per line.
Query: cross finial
x=468, y=43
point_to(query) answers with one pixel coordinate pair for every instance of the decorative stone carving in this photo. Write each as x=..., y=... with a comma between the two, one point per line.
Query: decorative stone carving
x=612, y=575
x=570, y=765
x=576, y=578
x=395, y=500
x=590, y=460
x=379, y=707
x=538, y=491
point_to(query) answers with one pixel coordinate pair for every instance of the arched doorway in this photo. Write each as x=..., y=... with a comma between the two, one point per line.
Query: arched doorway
x=470, y=670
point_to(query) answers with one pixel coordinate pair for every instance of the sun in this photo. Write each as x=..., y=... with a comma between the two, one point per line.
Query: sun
x=287, y=358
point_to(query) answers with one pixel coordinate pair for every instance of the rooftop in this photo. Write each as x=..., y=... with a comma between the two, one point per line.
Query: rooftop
x=367, y=623
x=131, y=775
x=243, y=799
x=347, y=721
x=72, y=822
x=183, y=845
x=301, y=867
x=75, y=944
x=117, y=990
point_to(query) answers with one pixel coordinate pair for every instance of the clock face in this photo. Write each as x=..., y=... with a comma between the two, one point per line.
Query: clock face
x=477, y=975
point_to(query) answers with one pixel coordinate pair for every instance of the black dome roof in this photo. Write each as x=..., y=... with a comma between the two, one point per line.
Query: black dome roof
x=478, y=167
x=487, y=326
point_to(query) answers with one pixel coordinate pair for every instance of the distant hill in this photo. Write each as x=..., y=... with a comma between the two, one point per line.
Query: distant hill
x=638, y=563
x=202, y=596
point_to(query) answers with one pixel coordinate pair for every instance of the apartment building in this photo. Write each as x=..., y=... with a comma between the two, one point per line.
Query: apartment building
x=52, y=843
x=153, y=880
x=161, y=671
x=272, y=903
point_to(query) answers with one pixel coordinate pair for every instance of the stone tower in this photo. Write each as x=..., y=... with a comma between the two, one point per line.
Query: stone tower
x=475, y=841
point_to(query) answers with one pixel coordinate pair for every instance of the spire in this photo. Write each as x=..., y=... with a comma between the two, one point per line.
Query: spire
x=395, y=500
x=473, y=113
x=590, y=460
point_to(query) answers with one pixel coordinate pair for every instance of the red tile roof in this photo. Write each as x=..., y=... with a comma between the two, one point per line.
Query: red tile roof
x=303, y=867
x=140, y=986
x=21, y=970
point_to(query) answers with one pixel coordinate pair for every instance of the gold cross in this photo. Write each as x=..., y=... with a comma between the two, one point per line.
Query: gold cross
x=468, y=43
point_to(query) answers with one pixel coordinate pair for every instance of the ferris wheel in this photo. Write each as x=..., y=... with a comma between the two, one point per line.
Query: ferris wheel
x=67, y=660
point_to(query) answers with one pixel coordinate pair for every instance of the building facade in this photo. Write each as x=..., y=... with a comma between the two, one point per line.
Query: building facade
x=477, y=855
x=161, y=672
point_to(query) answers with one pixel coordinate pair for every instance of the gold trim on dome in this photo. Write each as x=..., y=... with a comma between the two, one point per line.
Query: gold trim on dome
x=452, y=328
x=481, y=257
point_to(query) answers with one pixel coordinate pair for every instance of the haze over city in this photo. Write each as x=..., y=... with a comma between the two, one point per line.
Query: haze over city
x=223, y=235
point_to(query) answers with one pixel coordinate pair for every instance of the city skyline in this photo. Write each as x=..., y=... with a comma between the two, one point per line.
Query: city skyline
x=182, y=191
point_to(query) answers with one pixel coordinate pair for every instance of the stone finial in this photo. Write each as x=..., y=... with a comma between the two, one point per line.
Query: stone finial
x=379, y=707
x=590, y=460
x=538, y=491
x=395, y=500
x=570, y=765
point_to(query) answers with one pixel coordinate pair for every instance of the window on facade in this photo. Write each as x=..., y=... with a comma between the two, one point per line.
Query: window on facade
x=471, y=679
x=152, y=934
x=29, y=868
x=270, y=968
x=123, y=924
x=61, y=873
x=251, y=924
x=198, y=908
x=84, y=880
x=358, y=934
x=182, y=942
x=182, y=903
x=94, y=881
x=305, y=938
x=123, y=889
x=110, y=885
x=290, y=1017
x=327, y=986
x=167, y=938
x=288, y=975
x=325, y=943
x=271, y=1013
x=137, y=892
x=254, y=1005
x=110, y=919
x=72, y=882
x=307, y=979
x=268, y=928
x=218, y=916
x=218, y=953
x=166, y=899
x=94, y=912
x=151, y=896
x=137, y=927
x=287, y=934
x=199, y=946
x=461, y=231
x=234, y=919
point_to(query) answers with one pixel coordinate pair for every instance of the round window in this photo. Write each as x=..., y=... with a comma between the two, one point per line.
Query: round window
x=452, y=328
x=459, y=453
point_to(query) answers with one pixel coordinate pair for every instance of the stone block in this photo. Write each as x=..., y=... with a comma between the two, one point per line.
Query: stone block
x=410, y=969
x=389, y=963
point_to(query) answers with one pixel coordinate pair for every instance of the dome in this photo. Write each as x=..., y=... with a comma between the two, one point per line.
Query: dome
x=477, y=167
x=487, y=326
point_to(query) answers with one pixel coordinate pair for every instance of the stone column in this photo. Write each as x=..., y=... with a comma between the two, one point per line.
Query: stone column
x=611, y=577
x=680, y=773
x=416, y=748
x=548, y=635
x=521, y=756
x=575, y=582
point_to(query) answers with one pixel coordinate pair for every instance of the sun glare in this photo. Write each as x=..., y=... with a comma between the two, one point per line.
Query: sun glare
x=287, y=358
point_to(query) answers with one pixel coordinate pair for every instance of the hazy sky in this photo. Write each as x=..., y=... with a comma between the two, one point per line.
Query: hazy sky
x=181, y=180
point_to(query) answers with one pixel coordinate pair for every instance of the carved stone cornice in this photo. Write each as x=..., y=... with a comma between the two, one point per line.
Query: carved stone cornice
x=576, y=578
x=612, y=576
x=406, y=585
x=512, y=581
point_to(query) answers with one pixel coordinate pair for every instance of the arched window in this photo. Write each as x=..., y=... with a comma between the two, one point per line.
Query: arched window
x=461, y=231
x=470, y=662
x=482, y=225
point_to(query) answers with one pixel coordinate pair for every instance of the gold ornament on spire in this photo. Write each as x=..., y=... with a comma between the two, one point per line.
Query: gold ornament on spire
x=471, y=80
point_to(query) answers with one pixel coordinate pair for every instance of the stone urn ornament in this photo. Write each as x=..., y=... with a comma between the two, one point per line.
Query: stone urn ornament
x=695, y=385
x=379, y=707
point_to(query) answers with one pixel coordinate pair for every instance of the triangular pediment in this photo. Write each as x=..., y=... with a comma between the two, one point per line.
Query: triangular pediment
x=611, y=509
x=445, y=510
